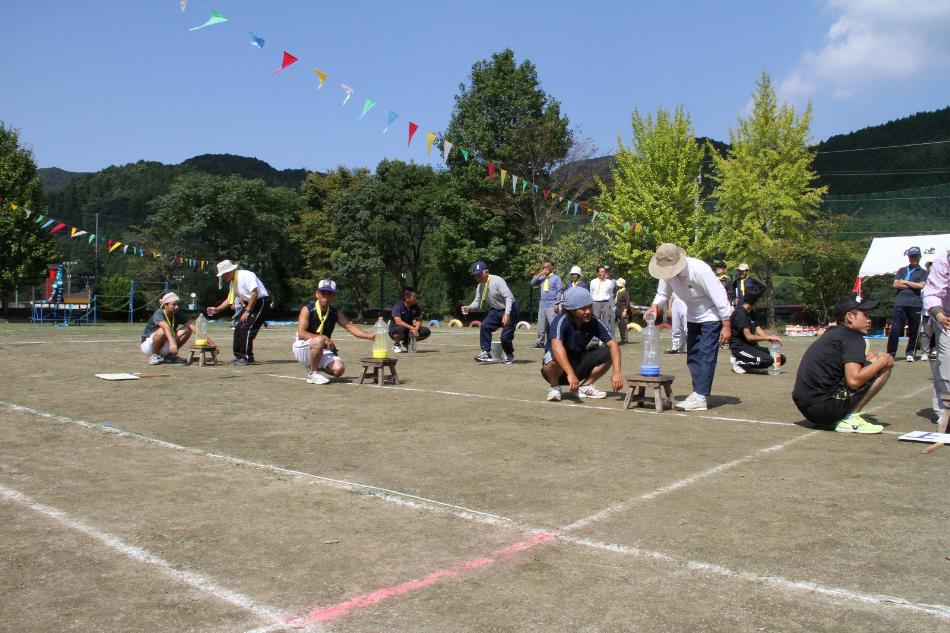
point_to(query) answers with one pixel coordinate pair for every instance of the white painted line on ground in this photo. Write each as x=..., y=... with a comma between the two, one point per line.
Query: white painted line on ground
x=682, y=483
x=197, y=581
x=420, y=503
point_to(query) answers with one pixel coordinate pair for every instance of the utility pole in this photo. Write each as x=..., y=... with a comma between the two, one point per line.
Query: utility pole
x=96, y=271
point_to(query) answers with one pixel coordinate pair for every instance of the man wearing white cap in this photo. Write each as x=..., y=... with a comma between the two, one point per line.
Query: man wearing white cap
x=707, y=315
x=314, y=346
x=576, y=280
x=569, y=359
x=166, y=331
x=250, y=300
x=740, y=283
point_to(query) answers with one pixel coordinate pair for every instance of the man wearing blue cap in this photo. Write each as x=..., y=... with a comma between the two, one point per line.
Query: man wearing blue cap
x=567, y=359
x=494, y=296
x=908, y=282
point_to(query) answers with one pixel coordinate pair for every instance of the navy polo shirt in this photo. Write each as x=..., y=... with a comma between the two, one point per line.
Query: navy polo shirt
x=910, y=297
x=576, y=338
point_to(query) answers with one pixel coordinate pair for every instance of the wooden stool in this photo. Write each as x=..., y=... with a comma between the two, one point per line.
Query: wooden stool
x=379, y=366
x=661, y=398
x=202, y=353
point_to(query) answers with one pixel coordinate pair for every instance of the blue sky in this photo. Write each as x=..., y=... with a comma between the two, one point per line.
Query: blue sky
x=91, y=84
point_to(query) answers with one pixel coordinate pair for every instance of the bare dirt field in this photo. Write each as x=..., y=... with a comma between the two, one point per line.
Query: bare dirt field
x=244, y=499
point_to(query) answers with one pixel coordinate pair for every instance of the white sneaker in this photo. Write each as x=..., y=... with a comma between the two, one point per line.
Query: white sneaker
x=910, y=358
x=316, y=378
x=590, y=391
x=155, y=359
x=691, y=403
x=397, y=348
x=736, y=369
x=554, y=394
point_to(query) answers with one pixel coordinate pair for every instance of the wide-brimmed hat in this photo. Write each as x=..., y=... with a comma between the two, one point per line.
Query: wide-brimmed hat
x=621, y=282
x=669, y=261
x=226, y=266
x=575, y=270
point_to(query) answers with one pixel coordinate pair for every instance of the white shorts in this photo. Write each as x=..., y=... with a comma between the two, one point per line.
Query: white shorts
x=147, y=345
x=302, y=354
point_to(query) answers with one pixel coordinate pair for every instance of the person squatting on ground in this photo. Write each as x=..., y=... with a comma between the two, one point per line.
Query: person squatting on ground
x=407, y=321
x=707, y=315
x=677, y=312
x=166, y=331
x=746, y=332
x=313, y=345
x=602, y=290
x=251, y=302
x=575, y=280
x=622, y=309
x=567, y=359
x=550, y=297
x=908, y=282
x=837, y=377
x=492, y=294
x=937, y=306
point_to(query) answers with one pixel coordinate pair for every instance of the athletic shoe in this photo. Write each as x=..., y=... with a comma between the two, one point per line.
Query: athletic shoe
x=316, y=378
x=538, y=346
x=509, y=359
x=241, y=362
x=854, y=423
x=155, y=359
x=910, y=358
x=554, y=394
x=484, y=357
x=691, y=403
x=397, y=348
x=175, y=360
x=737, y=369
x=590, y=391
x=932, y=356
x=672, y=351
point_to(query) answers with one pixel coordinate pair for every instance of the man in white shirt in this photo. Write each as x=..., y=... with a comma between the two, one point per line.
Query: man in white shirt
x=707, y=315
x=602, y=290
x=250, y=300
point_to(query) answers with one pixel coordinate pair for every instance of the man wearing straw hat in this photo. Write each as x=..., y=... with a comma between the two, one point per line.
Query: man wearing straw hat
x=251, y=302
x=166, y=331
x=707, y=315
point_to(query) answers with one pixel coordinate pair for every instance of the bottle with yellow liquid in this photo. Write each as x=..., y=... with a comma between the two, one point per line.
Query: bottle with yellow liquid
x=201, y=324
x=381, y=344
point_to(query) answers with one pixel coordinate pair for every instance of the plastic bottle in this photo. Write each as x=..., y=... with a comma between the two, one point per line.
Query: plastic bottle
x=412, y=344
x=650, y=340
x=775, y=349
x=381, y=344
x=201, y=324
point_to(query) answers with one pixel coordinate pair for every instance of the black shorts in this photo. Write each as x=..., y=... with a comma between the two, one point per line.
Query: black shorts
x=826, y=413
x=585, y=362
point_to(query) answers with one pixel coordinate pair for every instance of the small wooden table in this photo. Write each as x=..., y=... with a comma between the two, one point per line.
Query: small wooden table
x=202, y=353
x=661, y=397
x=379, y=366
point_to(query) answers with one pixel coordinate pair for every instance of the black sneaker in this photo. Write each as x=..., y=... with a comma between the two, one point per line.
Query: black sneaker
x=509, y=359
x=538, y=346
x=240, y=361
x=672, y=351
x=484, y=357
x=174, y=360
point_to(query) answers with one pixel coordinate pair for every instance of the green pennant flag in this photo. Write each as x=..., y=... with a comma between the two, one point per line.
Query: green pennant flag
x=216, y=18
x=464, y=153
x=524, y=185
x=39, y=219
x=568, y=207
x=91, y=238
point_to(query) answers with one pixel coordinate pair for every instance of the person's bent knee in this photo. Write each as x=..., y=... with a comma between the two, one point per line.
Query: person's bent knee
x=318, y=341
x=336, y=369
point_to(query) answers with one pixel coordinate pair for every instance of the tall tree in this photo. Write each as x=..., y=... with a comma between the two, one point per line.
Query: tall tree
x=25, y=249
x=829, y=265
x=356, y=262
x=656, y=190
x=765, y=195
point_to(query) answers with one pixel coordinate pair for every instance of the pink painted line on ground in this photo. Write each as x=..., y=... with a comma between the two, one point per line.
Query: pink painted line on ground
x=337, y=611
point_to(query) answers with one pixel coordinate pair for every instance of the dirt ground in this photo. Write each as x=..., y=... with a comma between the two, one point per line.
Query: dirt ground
x=245, y=499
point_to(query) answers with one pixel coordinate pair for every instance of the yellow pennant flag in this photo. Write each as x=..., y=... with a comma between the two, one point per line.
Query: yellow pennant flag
x=115, y=246
x=430, y=139
x=14, y=206
x=504, y=174
x=72, y=231
x=322, y=76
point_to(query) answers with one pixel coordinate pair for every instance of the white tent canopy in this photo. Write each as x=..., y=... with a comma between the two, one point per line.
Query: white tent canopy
x=887, y=254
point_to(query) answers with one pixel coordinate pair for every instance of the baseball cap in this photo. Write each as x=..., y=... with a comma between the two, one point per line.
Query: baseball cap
x=577, y=297
x=575, y=270
x=847, y=304
x=478, y=267
x=743, y=266
x=913, y=250
x=326, y=285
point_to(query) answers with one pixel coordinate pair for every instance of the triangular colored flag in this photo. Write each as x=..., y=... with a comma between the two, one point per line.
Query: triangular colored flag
x=91, y=238
x=322, y=76
x=28, y=211
x=59, y=226
x=576, y=206
x=348, y=91
x=504, y=174
x=109, y=244
x=39, y=219
x=446, y=149
x=524, y=185
x=256, y=41
x=216, y=18
x=368, y=105
x=491, y=171
x=464, y=154
x=514, y=184
x=115, y=246
x=183, y=4
x=125, y=249
x=568, y=207
x=536, y=188
x=47, y=223
x=545, y=193
x=413, y=128
x=430, y=139
x=286, y=60
x=389, y=120
x=72, y=231
x=594, y=217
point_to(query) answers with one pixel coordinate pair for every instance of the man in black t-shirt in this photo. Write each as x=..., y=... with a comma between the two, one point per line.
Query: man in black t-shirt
x=837, y=377
x=406, y=321
x=749, y=356
x=908, y=282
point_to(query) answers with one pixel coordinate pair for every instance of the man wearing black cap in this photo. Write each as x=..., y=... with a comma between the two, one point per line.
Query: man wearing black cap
x=494, y=296
x=908, y=281
x=837, y=377
x=720, y=269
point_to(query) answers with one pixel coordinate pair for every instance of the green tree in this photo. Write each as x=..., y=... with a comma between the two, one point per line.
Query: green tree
x=25, y=249
x=655, y=191
x=829, y=265
x=765, y=196
x=356, y=262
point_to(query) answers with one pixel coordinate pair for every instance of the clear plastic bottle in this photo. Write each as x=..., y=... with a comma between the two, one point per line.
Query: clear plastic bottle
x=650, y=340
x=201, y=324
x=775, y=349
x=381, y=344
x=412, y=343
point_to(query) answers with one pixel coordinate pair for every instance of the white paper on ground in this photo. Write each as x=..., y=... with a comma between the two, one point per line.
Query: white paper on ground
x=926, y=436
x=117, y=376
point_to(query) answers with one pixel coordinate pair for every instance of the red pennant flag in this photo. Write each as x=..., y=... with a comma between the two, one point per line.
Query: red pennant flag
x=491, y=171
x=58, y=227
x=110, y=244
x=545, y=192
x=633, y=229
x=856, y=289
x=287, y=60
x=412, y=130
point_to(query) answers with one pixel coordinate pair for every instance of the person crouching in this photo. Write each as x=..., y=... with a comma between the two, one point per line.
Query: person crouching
x=747, y=333
x=166, y=331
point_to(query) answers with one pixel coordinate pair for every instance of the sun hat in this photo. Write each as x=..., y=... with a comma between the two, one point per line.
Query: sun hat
x=576, y=270
x=621, y=282
x=326, y=285
x=478, y=267
x=743, y=266
x=847, y=304
x=577, y=297
x=668, y=261
x=226, y=266
x=169, y=297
